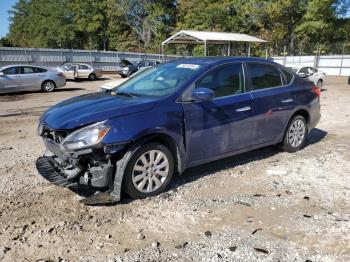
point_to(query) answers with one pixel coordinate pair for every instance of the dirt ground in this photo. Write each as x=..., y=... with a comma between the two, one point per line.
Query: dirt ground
x=265, y=205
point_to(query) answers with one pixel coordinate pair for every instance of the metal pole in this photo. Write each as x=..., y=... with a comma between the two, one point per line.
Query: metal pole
x=163, y=52
x=342, y=60
x=249, y=50
x=284, y=55
x=266, y=53
x=229, y=49
x=205, y=48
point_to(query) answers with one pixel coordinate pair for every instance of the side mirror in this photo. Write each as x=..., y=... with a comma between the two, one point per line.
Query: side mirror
x=202, y=94
x=2, y=74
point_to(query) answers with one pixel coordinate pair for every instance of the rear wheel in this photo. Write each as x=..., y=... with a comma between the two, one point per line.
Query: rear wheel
x=148, y=171
x=295, y=136
x=92, y=77
x=48, y=86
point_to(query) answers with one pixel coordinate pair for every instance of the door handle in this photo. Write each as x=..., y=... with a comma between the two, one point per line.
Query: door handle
x=288, y=100
x=243, y=109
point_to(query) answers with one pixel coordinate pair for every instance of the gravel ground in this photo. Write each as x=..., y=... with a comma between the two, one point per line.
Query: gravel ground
x=264, y=205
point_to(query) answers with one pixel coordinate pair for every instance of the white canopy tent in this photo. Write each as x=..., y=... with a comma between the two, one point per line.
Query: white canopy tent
x=205, y=38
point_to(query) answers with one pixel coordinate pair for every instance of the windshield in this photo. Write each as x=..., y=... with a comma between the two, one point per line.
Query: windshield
x=160, y=80
x=65, y=66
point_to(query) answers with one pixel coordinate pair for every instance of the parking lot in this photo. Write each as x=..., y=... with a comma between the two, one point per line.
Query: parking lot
x=264, y=205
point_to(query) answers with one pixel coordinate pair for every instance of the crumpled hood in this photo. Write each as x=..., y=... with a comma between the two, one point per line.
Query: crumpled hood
x=91, y=108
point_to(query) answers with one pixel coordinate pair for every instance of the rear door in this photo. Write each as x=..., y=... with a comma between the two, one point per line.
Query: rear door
x=9, y=81
x=30, y=78
x=84, y=71
x=273, y=101
x=222, y=125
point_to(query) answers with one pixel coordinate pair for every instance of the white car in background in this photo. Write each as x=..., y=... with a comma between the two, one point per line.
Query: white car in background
x=79, y=71
x=113, y=84
x=311, y=73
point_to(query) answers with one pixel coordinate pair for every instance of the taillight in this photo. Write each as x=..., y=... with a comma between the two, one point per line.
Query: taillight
x=60, y=74
x=316, y=90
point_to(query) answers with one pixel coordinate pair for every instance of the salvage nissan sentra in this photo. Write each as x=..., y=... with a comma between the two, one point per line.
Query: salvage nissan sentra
x=171, y=117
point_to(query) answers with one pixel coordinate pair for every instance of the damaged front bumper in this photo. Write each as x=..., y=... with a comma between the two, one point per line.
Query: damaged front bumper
x=90, y=167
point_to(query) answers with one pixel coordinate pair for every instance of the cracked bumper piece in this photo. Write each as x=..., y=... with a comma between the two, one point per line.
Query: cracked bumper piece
x=46, y=169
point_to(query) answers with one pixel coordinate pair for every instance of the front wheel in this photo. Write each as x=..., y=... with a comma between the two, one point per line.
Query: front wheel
x=148, y=171
x=295, y=136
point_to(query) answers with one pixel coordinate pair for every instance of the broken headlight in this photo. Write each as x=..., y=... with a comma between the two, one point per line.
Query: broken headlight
x=86, y=137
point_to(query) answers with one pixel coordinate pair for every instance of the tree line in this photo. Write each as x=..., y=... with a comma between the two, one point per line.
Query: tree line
x=302, y=26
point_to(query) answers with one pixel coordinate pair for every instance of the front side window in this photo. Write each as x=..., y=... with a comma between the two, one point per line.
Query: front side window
x=264, y=75
x=11, y=71
x=225, y=80
x=159, y=81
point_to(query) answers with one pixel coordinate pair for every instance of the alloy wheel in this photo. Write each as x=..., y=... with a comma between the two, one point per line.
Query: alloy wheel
x=150, y=171
x=296, y=133
x=49, y=86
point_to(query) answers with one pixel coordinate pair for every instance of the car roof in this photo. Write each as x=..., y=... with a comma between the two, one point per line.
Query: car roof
x=209, y=60
x=8, y=66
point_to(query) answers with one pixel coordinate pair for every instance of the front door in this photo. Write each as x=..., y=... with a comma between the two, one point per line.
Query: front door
x=223, y=125
x=9, y=81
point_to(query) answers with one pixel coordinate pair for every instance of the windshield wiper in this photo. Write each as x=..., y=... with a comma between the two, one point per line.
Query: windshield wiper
x=121, y=93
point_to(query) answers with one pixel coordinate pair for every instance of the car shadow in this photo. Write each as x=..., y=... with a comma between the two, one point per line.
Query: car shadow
x=194, y=173
x=69, y=89
x=82, y=80
x=39, y=91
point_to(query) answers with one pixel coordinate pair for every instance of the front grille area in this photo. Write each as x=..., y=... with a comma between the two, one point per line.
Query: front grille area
x=55, y=136
x=46, y=169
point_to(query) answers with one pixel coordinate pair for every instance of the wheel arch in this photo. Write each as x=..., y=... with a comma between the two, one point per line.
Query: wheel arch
x=165, y=140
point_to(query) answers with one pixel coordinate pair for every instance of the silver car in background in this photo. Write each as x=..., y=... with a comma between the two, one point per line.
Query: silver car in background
x=74, y=71
x=15, y=78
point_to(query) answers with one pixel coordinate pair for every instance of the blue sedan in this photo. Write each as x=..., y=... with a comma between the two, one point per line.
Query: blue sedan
x=171, y=117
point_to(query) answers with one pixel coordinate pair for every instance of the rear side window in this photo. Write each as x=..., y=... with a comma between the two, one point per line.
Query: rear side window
x=225, y=80
x=40, y=70
x=264, y=76
x=83, y=67
x=11, y=71
x=28, y=70
x=288, y=77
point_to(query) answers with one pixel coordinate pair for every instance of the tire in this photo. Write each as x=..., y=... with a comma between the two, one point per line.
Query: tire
x=137, y=174
x=320, y=83
x=92, y=77
x=48, y=86
x=123, y=76
x=295, y=136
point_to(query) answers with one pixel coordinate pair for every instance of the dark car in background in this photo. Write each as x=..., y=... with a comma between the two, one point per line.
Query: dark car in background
x=147, y=63
x=171, y=117
x=125, y=68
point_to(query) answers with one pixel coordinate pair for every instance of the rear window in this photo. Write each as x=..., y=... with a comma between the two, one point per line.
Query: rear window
x=264, y=76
